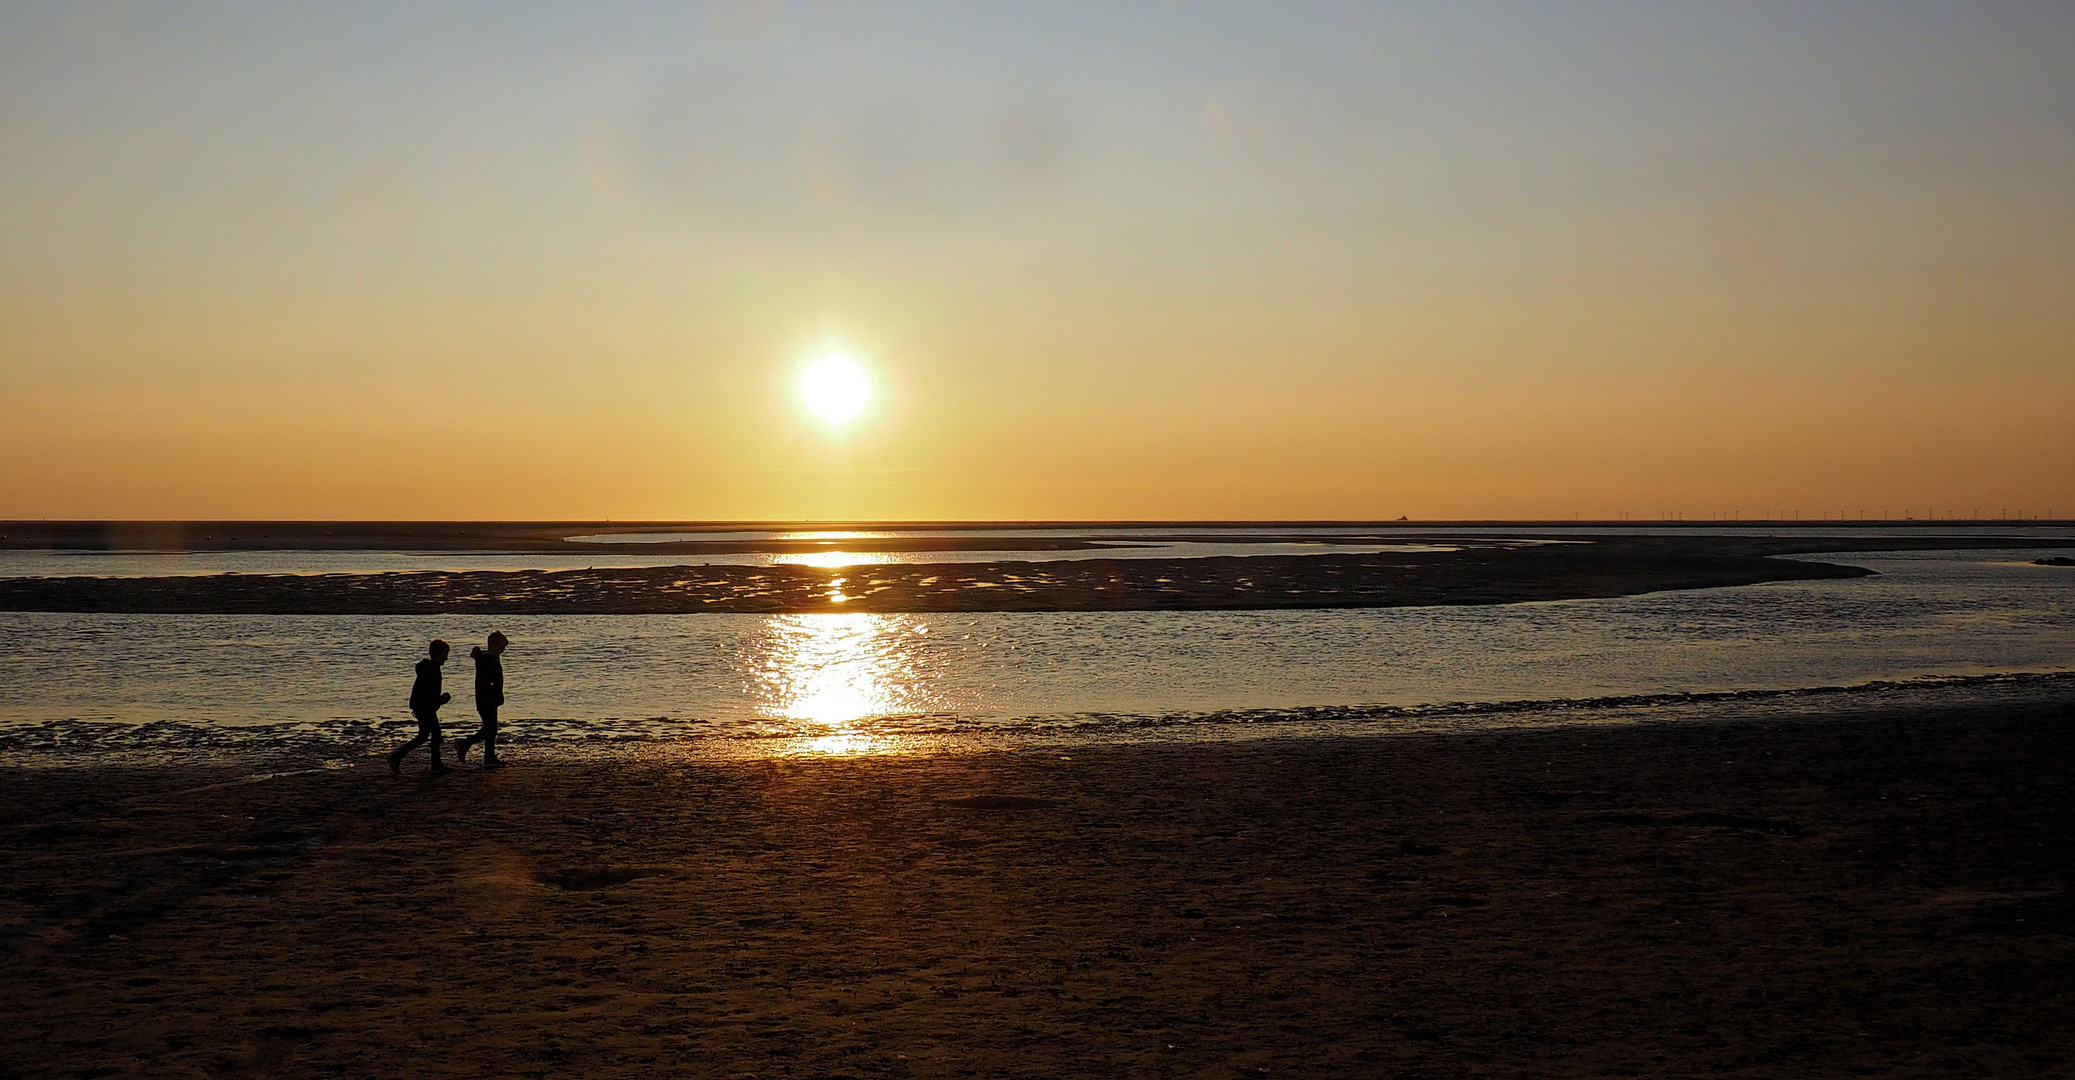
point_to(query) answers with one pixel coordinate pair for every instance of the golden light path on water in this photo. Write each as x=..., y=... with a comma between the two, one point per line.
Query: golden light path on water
x=832, y=559
x=830, y=672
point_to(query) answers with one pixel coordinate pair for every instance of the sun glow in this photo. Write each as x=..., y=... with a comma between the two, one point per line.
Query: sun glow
x=835, y=389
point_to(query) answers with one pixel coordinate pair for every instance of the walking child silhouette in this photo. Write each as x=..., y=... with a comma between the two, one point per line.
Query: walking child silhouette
x=426, y=698
x=489, y=695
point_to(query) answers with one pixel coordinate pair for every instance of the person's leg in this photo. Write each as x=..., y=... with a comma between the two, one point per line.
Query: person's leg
x=482, y=735
x=438, y=766
x=489, y=737
x=396, y=756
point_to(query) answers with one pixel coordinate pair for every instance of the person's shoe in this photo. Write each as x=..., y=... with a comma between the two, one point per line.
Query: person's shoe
x=492, y=763
x=437, y=768
x=460, y=753
x=395, y=765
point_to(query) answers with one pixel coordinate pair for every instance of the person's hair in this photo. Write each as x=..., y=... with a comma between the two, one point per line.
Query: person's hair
x=497, y=638
x=439, y=647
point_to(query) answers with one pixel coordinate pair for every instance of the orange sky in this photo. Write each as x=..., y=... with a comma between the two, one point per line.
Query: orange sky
x=1119, y=261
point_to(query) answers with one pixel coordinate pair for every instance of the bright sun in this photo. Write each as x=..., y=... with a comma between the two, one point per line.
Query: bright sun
x=835, y=389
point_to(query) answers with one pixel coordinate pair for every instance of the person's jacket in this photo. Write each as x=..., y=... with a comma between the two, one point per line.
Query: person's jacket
x=489, y=678
x=425, y=693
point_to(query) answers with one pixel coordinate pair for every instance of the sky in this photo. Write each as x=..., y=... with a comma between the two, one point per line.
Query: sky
x=1119, y=260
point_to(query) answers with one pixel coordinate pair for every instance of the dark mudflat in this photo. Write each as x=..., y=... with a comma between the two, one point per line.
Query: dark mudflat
x=1885, y=896
x=1483, y=574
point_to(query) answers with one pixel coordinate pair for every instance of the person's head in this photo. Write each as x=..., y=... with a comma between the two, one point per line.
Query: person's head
x=498, y=642
x=437, y=650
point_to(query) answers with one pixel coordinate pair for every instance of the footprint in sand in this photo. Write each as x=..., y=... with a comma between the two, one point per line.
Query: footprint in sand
x=594, y=879
x=1001, y=802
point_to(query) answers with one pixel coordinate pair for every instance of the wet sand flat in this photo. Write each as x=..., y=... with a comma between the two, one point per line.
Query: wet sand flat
x=1436, y=570
x=1884, y=896
x=1473, y=575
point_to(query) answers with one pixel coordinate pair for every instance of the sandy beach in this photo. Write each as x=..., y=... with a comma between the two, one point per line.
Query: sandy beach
x=1879, y=895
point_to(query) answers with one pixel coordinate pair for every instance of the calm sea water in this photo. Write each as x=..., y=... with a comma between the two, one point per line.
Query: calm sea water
x=222, y=679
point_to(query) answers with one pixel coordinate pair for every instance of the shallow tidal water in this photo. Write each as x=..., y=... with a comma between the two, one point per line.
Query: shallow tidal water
x=168, y=681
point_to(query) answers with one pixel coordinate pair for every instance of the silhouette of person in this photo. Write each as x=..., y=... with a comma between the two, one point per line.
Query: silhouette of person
x=426, y=699
x=489, y=695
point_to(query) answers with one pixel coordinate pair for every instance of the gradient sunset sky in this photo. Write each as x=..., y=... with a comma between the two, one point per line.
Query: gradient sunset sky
x=1135, y=260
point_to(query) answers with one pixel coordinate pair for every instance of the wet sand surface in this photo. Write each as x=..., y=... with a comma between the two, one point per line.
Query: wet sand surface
x=1482, y=568
x=1473, y=575
x=1874, y=896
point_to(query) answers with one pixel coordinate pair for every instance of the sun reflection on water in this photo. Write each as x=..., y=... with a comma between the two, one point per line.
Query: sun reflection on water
x=843, y=744
x=831, y=673
x=833, y=559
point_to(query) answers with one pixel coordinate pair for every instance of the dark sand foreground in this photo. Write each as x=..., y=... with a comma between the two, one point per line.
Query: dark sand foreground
x=1865, y=897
